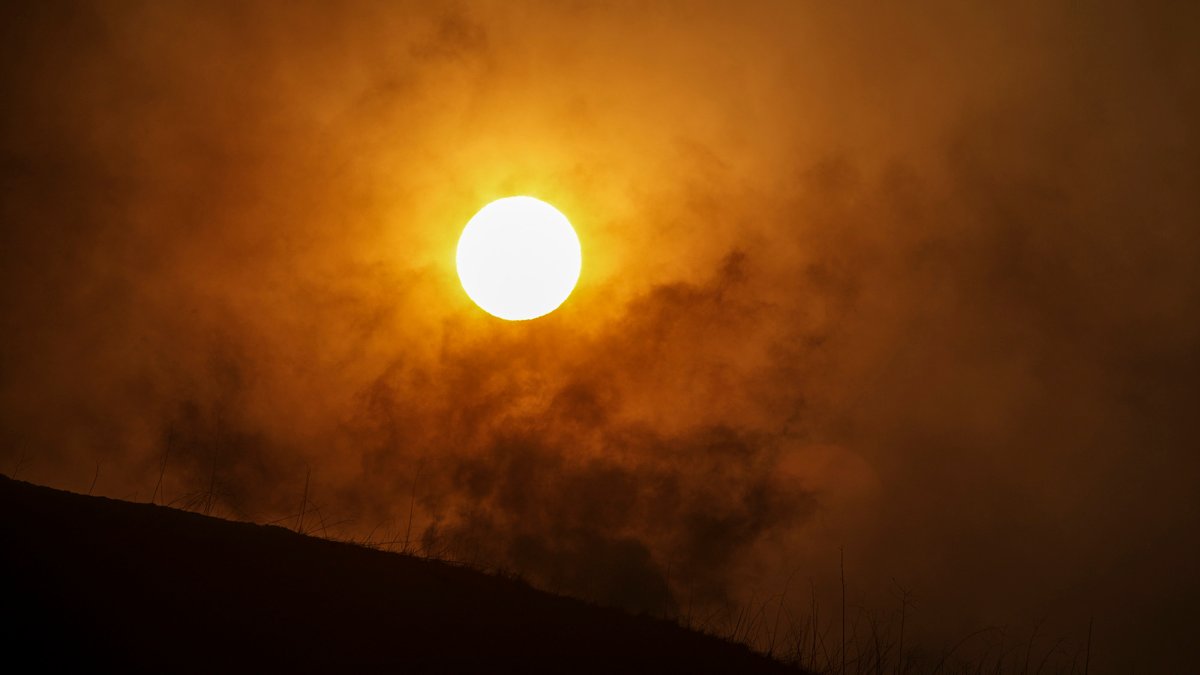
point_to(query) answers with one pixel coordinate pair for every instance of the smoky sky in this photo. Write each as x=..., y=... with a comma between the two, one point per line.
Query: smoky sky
x=913, y=282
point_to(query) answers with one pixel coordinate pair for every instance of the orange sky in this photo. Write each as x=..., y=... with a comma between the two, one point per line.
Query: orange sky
x=916, y=283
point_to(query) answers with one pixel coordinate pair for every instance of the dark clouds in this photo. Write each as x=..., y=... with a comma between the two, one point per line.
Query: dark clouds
x=916, y=284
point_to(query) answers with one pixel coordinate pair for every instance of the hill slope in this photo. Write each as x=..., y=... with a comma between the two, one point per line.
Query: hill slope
x=141, y=587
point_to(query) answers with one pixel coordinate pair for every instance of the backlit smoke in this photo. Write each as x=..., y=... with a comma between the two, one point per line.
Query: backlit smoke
x=916, y=284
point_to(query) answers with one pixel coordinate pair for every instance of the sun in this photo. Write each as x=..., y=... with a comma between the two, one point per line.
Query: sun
x=519, y=258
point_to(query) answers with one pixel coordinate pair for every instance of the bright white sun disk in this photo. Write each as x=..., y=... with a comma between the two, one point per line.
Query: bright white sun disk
x=519, y=258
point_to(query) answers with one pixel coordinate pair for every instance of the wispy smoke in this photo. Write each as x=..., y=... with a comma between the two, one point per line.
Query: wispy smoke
x=919, y=284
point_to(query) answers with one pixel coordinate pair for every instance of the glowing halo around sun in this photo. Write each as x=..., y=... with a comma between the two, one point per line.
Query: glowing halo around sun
x=519, y=258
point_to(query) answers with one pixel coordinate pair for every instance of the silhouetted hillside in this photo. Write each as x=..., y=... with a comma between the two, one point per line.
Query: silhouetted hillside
x=130, y=586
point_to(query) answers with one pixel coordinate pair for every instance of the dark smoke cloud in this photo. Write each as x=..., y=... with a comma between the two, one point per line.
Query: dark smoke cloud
x=916, y=284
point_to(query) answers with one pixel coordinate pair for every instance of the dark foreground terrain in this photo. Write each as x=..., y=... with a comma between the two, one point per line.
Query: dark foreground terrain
x=119, y=586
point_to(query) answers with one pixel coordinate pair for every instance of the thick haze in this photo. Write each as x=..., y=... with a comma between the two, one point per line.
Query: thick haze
x=919, y=283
